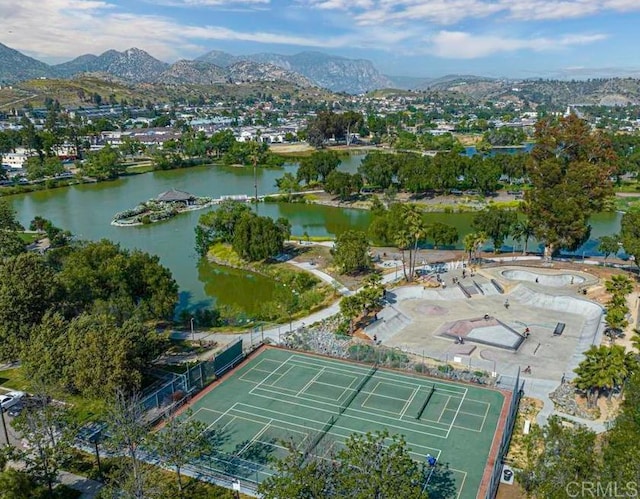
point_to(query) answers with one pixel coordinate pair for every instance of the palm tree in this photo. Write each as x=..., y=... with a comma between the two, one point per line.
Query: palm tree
x=603, y=369
x=523, y=230
x=469, y=242
x=619, y=285
x=635, y=340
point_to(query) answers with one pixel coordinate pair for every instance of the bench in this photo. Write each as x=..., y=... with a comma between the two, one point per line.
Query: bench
x=559, y=329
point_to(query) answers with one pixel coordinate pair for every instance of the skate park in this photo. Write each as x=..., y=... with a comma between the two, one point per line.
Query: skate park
x=500, y=319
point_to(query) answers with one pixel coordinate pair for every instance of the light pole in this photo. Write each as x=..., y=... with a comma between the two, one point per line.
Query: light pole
x=192, y=335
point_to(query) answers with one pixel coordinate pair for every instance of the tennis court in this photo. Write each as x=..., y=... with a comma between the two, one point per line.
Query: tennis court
x=315, y=403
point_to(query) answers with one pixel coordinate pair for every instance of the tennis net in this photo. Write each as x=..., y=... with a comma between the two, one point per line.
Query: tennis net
x=319, y=436
x=426, y=401
x=357, y=390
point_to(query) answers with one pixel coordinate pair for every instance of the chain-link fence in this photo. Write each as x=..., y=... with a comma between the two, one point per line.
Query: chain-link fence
x=518, y=391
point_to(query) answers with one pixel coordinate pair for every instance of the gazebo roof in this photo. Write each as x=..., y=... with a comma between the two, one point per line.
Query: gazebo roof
x=175, y=195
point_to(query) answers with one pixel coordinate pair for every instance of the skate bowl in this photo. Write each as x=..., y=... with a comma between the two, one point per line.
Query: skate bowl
x=550, y=280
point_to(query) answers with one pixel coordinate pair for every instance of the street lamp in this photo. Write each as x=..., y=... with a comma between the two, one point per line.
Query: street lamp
x=192, y=335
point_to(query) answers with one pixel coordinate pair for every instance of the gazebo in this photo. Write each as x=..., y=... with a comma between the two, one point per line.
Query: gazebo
x=176, y=196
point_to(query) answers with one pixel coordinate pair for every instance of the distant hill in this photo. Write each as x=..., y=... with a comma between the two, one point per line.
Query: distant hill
x=193, y=72
x=15, y=66
x=408, y=82
x=600, y=91
x=132, y=65
x=338, y=74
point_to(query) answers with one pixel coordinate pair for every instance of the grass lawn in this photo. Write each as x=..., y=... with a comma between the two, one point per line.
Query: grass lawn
x=84, y=408
x=627, y=187
x=29, y=237
x=626, y=203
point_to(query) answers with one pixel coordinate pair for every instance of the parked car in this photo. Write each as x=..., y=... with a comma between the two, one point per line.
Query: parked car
x=8, y=400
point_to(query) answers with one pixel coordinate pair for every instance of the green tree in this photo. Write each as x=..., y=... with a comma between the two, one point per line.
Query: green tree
x=16, y=484
x=181, y=441
x=103, y=164
x=619, y=284
x=522, y=231
x=409, y=229
x=621, y=453
x=351, y=252
x=288, y=184
x=603, y=369
x=442, y=234
x=8, y=218
x=569, y=173
x=103, y=356
x=219, y=225
x=558, y=456
x=609, y=245
x=373, y=465
x=378, y=169
x=496, y=223
x=28, y=288
x=630, y=234
x=473, y=242
x=319, y=165
x=101, y=276
x=48, y=432
x=128, y=436
x=342, y=184
x=257, y=238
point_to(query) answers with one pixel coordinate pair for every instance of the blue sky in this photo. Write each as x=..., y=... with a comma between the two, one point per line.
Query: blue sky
x=430, y=38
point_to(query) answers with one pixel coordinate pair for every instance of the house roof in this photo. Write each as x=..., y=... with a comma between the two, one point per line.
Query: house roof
x=175, y=195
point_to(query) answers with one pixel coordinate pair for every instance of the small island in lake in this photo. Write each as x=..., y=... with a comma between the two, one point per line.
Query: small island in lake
x=164, y=206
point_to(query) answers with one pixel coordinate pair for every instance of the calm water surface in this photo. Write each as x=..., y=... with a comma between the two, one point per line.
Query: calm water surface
x=87, y=210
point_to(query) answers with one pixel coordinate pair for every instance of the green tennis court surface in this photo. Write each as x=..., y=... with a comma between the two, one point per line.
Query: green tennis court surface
x=316, y=403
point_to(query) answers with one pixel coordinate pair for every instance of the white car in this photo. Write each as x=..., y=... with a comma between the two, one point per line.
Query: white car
x=8, y=400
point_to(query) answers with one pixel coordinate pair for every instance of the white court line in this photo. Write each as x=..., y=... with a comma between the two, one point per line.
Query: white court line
x=484, y=419
x=406, y=406
x=455, y=416
x=262, y=361
x=266, y=378
x=342, y=440
x=333, y=407
x=420, y=427
x=402, y=378
x=364, y=404
x=281, y=375
x=444, y=408
x=255, y=437
x=348, y=388
x=303, y=389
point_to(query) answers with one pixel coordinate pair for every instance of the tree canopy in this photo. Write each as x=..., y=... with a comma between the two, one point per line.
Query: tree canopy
x=374, y=465
x=569, y=170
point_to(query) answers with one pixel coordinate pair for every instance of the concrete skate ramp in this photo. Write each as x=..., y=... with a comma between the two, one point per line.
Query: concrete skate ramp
x=551, y=280
x=592, y=313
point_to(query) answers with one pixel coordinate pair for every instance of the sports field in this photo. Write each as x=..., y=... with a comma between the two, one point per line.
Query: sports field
x=316, y=403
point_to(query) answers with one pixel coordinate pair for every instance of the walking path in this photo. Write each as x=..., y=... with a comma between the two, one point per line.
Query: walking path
x=534, y=387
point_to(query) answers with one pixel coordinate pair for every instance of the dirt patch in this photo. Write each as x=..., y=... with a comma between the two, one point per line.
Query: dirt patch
x=528, y=411
x=514, y=491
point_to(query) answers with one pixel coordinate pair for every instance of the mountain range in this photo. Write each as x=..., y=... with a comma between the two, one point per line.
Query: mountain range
x=312, y=71
x=337, y=74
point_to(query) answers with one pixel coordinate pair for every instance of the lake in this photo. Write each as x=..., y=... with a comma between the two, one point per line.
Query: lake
x=87, y=210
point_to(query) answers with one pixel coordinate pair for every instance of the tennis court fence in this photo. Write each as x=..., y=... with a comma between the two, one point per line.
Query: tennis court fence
x=173, y=389
x=518, y=392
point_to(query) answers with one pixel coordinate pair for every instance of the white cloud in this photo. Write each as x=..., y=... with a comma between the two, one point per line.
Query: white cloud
x=448, y=12
x=62, y=29
x=205, y=3
x=462, y=45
